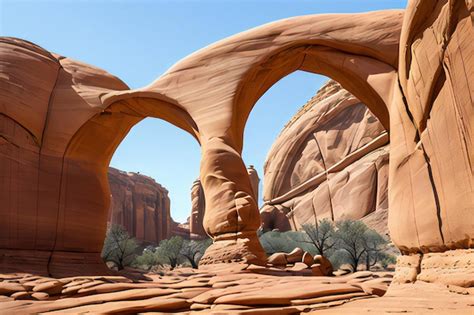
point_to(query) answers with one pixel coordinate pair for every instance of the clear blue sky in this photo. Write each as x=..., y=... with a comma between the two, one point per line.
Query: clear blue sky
x=138, y=40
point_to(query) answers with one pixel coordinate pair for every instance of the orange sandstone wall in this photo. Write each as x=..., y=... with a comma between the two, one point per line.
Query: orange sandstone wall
x=139, y=204
x=330, y=161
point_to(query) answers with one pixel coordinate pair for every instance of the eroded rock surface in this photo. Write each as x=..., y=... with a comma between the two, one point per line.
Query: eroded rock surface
x=214, y=290
x=198, y=207
x=330, y=161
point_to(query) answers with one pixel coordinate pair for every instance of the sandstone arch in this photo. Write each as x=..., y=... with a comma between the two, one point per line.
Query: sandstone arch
x=54, y=218
x=219, y=85
x=210, y=95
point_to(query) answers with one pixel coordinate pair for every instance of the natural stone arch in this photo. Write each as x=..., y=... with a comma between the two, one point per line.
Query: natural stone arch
x=430, y=190
x=57, y=139
x=219, y=85
x=203, y=95
x=85, y=166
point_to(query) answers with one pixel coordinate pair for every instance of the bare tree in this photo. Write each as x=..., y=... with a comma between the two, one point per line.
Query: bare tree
x=360, y=243
x=351, y=238
x=119, y=247
x=321, y=235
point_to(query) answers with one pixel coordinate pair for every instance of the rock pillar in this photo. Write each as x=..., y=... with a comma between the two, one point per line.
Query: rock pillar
x=254, y=181
x=198, y=204
x=231, y=216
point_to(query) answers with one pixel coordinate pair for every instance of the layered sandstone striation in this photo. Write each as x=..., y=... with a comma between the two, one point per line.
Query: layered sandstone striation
x=229, y=289
x=330, y=161
x=141, y=205
x=219, y=289
x=54, y=194
x=431, y=180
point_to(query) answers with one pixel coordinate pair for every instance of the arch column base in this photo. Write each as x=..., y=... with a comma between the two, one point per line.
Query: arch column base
x=235, y=248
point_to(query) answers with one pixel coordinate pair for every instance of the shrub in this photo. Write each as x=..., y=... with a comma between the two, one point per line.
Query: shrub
x=274, y=242
x=360, y=243
x=192, y=251
x=173, y=252
x=148, y=259
x=119, y=247
x=169, y=250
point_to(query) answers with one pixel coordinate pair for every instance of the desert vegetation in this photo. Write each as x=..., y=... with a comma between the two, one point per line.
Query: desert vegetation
x=349, y=244
x=121, y=250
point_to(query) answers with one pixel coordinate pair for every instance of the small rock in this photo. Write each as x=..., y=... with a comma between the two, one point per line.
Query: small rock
x=299, y=266
x=326, y=266
x=277, y=259
x=21, y=295
x=295, y=256
x=341, y=272
x=7, y=288
x=307, y=259
x=40, y=296
x=51, y=287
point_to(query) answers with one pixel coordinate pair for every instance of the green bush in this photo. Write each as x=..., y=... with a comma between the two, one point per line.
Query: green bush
x=173, y=252
x=346, y=242
x=274, y=242
x=148, y=259
x=192, y=251
x=119, y=248
x=338, y=258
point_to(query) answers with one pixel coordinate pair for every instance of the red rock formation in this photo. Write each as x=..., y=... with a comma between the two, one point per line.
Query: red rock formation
x=180, y=229
x=330, y=161
x=198, y=204
x=61, y=121
x=432, y=158
x=254, y=180
x=141, y=205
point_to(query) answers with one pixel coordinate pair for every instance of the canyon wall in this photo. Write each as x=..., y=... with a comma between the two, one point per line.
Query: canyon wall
x=141, y=205
x=330, y=161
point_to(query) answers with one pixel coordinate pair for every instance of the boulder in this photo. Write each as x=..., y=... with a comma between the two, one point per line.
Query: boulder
x=299, y=266
x=50, y=287
x=278, y=259
x=307, y=259
x=325, y=264
x=296, y=255
x=7, y=288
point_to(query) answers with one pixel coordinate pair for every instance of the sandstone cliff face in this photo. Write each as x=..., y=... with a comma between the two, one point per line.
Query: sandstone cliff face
x=141, y=205
x=330, y=161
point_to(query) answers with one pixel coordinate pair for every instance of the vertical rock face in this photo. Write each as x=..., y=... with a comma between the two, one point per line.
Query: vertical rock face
x=432, y=129
x=198, y=205
x=141, y=205
x=254, y=180
x=330, y=161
